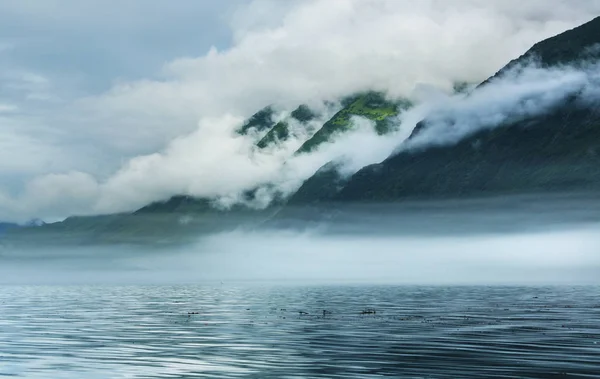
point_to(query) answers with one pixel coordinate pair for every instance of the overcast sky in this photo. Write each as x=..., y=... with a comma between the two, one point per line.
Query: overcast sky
x=90, y=88
x=90, y=44
x=53, y=53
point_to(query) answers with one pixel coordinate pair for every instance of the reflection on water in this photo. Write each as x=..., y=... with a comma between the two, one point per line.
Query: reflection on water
x=258, y=332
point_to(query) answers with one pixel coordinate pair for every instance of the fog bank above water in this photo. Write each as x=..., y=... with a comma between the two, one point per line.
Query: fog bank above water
x=520, y=240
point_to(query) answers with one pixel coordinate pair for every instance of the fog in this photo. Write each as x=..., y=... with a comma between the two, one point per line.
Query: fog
x=487, y=242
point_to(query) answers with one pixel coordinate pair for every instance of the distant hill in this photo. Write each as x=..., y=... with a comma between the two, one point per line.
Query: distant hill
x=4, y=226
x=157, y=224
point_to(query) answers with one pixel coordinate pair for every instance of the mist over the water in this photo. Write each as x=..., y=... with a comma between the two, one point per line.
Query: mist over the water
x=525, y=240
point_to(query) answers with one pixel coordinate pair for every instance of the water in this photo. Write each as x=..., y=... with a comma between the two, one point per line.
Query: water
x=252, y=331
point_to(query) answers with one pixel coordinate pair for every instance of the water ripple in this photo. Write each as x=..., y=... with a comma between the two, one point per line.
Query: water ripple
x=298, y=332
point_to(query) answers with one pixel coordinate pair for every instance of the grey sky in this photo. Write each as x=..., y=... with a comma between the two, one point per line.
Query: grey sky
x=53, y=52
x=90, y=44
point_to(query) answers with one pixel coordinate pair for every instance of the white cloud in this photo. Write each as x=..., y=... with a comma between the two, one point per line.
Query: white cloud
x=522, y=92
x=325, y=49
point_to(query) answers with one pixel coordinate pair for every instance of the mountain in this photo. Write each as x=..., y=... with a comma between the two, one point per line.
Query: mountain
x=281, y=131
x=9, y=226
x=323, y=186
x=558, y=150
x=260, y=121
x=157, y=224
x=176, y=204
x=371, y=105
x=572, y=47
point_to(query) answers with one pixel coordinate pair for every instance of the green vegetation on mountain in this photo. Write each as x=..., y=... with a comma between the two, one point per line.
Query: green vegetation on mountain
x=371, y=105
x=260, y=121
x=303, y=114
x=181, y=219
x=281, y=131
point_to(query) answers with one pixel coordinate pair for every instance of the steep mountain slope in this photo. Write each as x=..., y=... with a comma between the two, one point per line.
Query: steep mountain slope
x=281, y=131
x=571, y=47
x=260, y=121
x=323, y=186
x=372, y=105
x=556, y=151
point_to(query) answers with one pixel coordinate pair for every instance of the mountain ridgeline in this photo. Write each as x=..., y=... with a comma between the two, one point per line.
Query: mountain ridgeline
x=371, y=105
x=558, y=150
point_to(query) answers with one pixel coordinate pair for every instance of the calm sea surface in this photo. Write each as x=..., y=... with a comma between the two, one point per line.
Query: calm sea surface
x=260, y=332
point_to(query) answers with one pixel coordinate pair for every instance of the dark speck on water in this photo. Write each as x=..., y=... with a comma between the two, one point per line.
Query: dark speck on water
x=412, y=332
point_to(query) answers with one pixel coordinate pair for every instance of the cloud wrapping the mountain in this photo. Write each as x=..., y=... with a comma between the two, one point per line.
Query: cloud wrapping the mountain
x=520, y=93
x=173, y=134
x=231, y=163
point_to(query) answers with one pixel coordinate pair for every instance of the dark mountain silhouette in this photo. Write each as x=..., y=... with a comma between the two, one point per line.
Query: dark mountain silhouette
x=558, y=150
